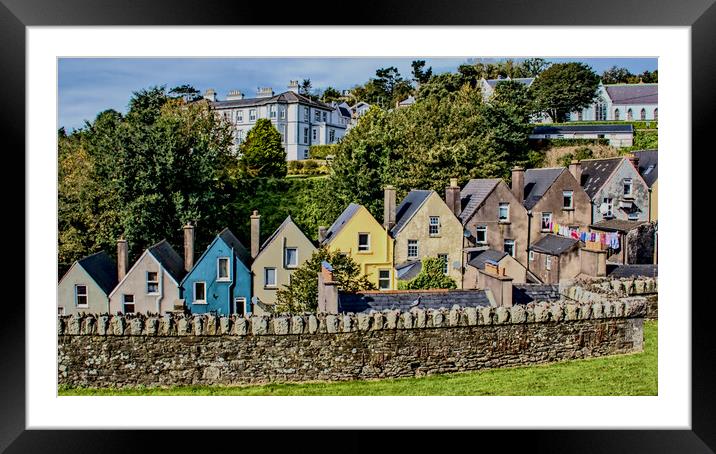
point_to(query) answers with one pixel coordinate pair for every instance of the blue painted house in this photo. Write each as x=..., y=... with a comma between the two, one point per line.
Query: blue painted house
x=220, y=281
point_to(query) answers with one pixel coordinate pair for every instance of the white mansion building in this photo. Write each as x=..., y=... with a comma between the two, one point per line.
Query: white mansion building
x=301, y=121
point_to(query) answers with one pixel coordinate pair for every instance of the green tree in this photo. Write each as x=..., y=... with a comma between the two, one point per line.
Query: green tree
x=563, y=88
x=305, y=88
x=420, y=74
x=533, y=67
x=330, y=94
x=302, y=293
x=579, y=154
x=262, y=154
x=431, y=276
x=187, y=92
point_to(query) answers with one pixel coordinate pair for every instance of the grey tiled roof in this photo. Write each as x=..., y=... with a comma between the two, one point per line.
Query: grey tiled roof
x=648, y=165
x=287, y=97
x=239, y=249
x=523, y=80
x=527, y=293
x=618, y=270
x=617, y=225
x=554, y=244
x=102, y=269
x=408, y=270
x=405, y=300
x=537, y=182
x=344, y=112
x=473, y=195
x=572, y=129
x=622, y=94
x=407, y=208
x=340, y=222
x=169, y=259
x=596, y=172
x=482, y=256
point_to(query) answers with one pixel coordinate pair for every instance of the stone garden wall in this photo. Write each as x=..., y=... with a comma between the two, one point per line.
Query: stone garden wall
x=607, y=289
x=116, y=351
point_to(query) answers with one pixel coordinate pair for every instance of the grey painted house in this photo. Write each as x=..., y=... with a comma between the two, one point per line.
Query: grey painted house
x=86, y=285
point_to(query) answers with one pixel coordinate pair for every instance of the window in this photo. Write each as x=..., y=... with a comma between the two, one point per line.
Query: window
x=481, y=234
x=291, y=257
x=567, y=200
x=306, y=113
x=128, y=304
x=305, y=154
x=272, y=111
x=152, y=283
x=546, y=224
x=384, y=280
x=325, y=116
x=608, y=204
x=633, y=216
x=252, y=114
x=60, y=310
x=239, y=136
x=532, y=256
x=81, y=296
x=642, y=115
x=627, y=187
x=317, y=115
x=222, y=269
x=630, y=115
x=510, y=247
x=282, y=113
x=200, y=292
x=547, y=262
x=412, y=249
x=240, y=116
x=315, y=134
x=305, y=135
x=239, y=306
x=331, y=135
x=434, y=227
x=601, y=112
x=363, y=242
x=444, y=258
x=616, y=114
x=656, y=114
x=269, y=277
x=504, y=213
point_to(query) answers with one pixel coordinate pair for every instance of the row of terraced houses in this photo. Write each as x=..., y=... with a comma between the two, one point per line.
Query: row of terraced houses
x=537, y=229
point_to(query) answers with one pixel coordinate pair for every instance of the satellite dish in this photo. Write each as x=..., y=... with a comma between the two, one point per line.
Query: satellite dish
x=466, y=233
x=603, y=208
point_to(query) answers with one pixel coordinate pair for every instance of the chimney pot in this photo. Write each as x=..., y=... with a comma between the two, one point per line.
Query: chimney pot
x=188, y=247
x=575, y=168
x=518, y=183
x=255, y=233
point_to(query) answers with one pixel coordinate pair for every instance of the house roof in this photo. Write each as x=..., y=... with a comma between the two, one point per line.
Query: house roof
x=596, y=172
x=344, y=111
x=102, y=269
x=537, y=182
x=527, y=293
x=622, y=94
x=168, y=259
x=575, y=129
x=408, y=207
x=239, y=249
x=287, y=97
x=553, y=244
x=408, y=270
x=406, y=300
x=619, y=270
x=473, y=195
x=483, y=256
x=342, y=220
x=617, y=225
x=523, y=80
x=648, y=165
x=407, y=101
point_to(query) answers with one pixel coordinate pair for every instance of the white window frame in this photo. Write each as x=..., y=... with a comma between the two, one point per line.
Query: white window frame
x=281, y=113
x=368, y=244
x=548, y=262
x=434, y=222
x=285, y=257
x=483, y=229
x=77, y=295
x=499, y=212
x=416, y=246
x=240, y=116
x=305, y=136
x=325, y=117
x=275, y=277
x=569, y=194
x=252, y=114
x=315, y=134
x=445, y=258
x=545, y=215
x=228, y=269
x=610, y=207
x=147, y=281
x=124, y=303
x=306, y=113
x=628, y=182
x=331, y=135
x=532, y=256
x=381, y=280
x=272, y=111
x=195, y=300
x=514, y=247
x=316, y=115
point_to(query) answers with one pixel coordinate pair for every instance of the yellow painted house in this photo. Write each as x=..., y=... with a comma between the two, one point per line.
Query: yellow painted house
x=357, y=233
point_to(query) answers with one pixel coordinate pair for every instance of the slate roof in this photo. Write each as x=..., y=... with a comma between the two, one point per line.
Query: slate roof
x=344, y=112
x=473, y=195
x=169, y=259
x=537, y=182
x=576, y=129
x=648, y=165
x=618, y=270
x=483, y=256
x=408, y=207
x=287, y=97
x=408, y=270
x=527, y=293
x=554, y=244
x=617, y=225
x=102, y=269
x=596, y=172
x=405, y=300
x=622, y=94
x=523, y=80
x=336, y=227
x=239, y=249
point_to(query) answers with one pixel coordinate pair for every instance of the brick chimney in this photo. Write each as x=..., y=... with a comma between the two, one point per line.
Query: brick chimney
x=496, y=284
x=255, y=233
x=210, y=95
x=327, y=290
x=122, y=258
x=452, y=197
x=634, y=159
x=322, y=230
x=188, y=247
x=388, y=207
x=518, y=183
x=575, y=168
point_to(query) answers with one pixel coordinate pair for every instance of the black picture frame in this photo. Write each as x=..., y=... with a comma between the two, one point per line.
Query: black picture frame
x=16, y=15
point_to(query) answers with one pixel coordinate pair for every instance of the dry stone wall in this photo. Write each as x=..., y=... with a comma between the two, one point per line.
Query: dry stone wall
x=117, y=351
x=602, y=290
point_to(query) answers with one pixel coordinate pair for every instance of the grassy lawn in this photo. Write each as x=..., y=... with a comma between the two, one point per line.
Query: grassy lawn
x=633, y=375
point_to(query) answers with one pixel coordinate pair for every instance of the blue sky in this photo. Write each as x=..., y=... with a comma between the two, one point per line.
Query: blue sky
x=88, y=86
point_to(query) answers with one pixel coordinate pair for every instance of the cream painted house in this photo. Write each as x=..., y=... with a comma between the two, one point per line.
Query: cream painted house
x=284, y=251
x=85, y=286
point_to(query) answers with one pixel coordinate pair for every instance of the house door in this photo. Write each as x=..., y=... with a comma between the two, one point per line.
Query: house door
x=239, y=306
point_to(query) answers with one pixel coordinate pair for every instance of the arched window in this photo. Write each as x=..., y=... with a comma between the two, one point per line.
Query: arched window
x=630, y=115
x=643, y=114
x=616, y=114
x=656, y=113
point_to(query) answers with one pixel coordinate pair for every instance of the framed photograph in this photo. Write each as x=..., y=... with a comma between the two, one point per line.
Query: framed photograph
x=67, y=63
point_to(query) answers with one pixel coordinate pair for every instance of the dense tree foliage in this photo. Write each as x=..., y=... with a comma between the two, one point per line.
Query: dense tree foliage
x=262, y=153
x=617, y=75
x=302, y=294
x=330, y=94
x=563, y=88
x=420, y=74
x=431, y=276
